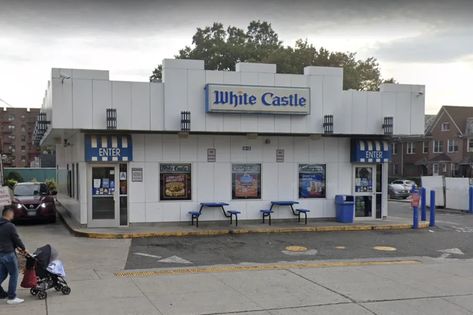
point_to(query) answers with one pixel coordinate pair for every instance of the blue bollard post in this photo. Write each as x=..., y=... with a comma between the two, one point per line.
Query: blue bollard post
x=423, y=213
x=432, y=208
x=470, y=200
x=415, y=219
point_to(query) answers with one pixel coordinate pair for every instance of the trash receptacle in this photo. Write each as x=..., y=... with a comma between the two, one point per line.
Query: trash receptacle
x=345, y=208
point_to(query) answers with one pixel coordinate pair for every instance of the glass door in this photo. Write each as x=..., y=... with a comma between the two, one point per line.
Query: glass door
x=365, y=191
x=103, y=201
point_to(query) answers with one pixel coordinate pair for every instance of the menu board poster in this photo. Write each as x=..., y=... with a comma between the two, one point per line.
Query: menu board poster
x=175, y=182
x=246, y=181
x=312, y=181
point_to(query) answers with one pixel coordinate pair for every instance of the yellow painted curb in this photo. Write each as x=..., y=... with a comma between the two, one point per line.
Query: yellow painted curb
x=217, y=269
x=182, y=233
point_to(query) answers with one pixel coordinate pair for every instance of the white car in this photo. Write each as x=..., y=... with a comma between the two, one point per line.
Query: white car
x=404, y=182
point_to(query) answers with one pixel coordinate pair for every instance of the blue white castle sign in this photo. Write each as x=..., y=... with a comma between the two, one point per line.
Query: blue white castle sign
x=257, y=99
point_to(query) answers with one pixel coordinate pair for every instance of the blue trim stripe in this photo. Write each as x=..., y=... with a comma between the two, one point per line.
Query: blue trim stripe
x=371, y=151
x=108, y=148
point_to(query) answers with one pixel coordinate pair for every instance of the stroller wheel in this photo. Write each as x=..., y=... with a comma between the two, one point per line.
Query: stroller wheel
x=58, y=287
x=66, y=290
x=42, y=295
x=34, y=291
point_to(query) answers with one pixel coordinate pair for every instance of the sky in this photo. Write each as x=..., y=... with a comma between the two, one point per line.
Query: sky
x=416, y=42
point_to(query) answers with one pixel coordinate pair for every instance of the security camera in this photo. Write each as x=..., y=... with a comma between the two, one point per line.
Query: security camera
x=64, y=77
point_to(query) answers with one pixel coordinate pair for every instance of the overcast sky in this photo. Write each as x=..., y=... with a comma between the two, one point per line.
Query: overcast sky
x=419, y=42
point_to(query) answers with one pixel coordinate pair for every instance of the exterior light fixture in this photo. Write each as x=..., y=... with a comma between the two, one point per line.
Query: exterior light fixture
x=111, y=115
x=328, y=124
x=185, y=121
x=388, y=125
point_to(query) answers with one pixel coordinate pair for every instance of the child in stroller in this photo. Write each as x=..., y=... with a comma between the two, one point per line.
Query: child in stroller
x=49, y=271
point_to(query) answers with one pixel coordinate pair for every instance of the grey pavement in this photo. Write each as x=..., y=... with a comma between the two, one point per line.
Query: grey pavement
x=436, y=284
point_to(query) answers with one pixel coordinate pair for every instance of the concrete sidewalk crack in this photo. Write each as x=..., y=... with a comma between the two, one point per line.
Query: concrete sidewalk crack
x=331, y=290
x=147, y=298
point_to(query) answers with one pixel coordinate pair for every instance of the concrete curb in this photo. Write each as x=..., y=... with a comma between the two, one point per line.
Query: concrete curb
x=213, y=232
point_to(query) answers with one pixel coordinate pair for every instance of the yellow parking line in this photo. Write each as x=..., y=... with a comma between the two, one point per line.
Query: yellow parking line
x=216, y=269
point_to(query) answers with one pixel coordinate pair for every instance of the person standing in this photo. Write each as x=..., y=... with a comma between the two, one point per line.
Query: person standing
x=9, y=242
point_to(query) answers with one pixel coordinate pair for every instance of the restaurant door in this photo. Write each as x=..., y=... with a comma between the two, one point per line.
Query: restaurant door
x=107, y=204
x=367, y=191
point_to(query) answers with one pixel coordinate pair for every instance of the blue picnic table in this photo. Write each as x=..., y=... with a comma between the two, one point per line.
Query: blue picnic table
x=228, y=214
x=288, y=203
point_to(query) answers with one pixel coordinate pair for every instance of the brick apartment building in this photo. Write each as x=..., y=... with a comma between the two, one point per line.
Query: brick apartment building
x=445, y=149
x=16, y=129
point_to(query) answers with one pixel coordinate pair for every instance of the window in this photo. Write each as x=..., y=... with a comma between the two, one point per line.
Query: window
x=470, y=145
x=435, y=169
x=411, y=148
x=23, y=148
x=23, y=128
x=11, y=127
x=425, y=147
x=445, y=126
x=246, y=181
x=311, y=181
x=11, y=117
x=175, y=181
x=452, y=145
x=22, y=116
x=437, y=146
x=23, y=138
x=444, y=167
x=394, y=148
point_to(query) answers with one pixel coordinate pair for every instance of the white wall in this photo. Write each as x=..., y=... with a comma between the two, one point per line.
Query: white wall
x=77, y=99
x=456, y=193
x=67, y=156
x=212, y=181
x=434, y=183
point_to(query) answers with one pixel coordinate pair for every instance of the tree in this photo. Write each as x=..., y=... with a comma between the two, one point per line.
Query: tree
x=222, y=48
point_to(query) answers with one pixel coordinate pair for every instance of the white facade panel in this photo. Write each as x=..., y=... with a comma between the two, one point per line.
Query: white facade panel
x=102, y=99
x=82, y=104
x=121, y=101
x=140, y=102
x=402, y=122
x=359, y=113
x=175, y=98
x=374, y=112
x=157, y=106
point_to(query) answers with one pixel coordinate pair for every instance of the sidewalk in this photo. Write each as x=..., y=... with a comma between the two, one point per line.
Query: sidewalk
x=222, y=227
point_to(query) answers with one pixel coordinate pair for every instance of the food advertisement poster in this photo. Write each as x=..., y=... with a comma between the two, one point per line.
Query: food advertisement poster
x=312, y=181
x=246, y=181
x=175, y=181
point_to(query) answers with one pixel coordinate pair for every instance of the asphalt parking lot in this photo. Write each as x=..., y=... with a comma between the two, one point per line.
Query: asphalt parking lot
x=452, y=232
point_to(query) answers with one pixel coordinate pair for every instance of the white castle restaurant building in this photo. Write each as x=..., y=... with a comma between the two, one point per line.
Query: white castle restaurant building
x=146, y=152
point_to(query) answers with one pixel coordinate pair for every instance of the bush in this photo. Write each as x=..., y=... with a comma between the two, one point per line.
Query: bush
x=10, y=183
x=51, y=183
x=15, y=176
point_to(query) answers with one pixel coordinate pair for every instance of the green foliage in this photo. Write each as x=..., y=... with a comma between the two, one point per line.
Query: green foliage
x=51, y=183
x=15, y=176
x=10, y=183
x=222, y=48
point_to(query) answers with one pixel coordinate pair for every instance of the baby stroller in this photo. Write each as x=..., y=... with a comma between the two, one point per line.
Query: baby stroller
x=49, y=272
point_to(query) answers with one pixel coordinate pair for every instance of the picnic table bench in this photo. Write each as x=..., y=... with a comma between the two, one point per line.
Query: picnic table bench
x=228, y=213
x=288, y=203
